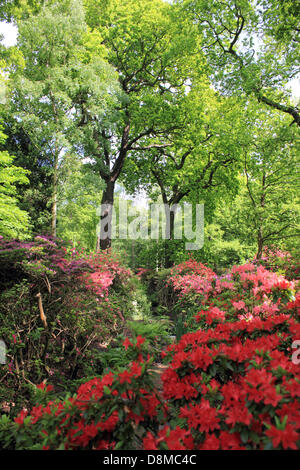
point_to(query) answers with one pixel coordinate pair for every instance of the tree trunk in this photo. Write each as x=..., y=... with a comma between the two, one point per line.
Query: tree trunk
x=260, y=244
x=260, y=239
x=54, y=199
x=169, y=238
x=104, y=237
x=54, y=215
x=133, y=254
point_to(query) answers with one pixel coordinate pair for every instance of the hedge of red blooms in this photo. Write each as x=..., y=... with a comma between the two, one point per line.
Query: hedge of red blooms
x=106, y=412
x=232, y=382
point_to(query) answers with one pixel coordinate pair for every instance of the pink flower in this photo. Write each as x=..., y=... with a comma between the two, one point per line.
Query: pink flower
x=239, y=305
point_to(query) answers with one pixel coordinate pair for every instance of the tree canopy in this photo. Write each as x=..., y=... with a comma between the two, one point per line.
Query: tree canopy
x=14, y=222
x=186, y=101
x=252, y=47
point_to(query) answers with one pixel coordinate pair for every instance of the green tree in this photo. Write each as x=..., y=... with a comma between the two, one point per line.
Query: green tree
x=35, y=197
x=271, y=169
x=58, y=72
x=266, y=209
x=251, y=46
x=197, y=164
x=14, y=222
x=153, y=55
x=13, y=10
x=79, y=198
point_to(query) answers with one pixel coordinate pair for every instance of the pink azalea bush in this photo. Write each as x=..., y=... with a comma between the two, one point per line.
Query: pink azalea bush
x=276, y=260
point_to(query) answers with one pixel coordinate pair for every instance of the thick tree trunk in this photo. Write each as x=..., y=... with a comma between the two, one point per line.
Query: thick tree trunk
x=169, y=238
x=104, y=237
x=168, y=261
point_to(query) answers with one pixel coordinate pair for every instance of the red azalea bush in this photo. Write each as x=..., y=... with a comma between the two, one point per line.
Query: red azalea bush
x=106, y=270
x=245, y=290
x=190, y=276
x=233, y=383
x=106, y=413
x=234, y=386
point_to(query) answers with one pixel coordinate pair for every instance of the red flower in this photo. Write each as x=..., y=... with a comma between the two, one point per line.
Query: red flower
x=238, y=414
x=20, y=418
x=105, y=445
x=281, y=285
x=286, y=437
x=125, y=377
x=149, y=442
x=136, y=369
x=173, y=438
x=230, y=441
x=36, y=414
x=42, y=386
x=127, y=343
x=139, y=341
x=107, y=379
x=211, y=443
x=201, y=416
x=110, y=423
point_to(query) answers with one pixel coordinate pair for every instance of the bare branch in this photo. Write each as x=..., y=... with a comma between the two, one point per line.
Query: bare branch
x=151, y=146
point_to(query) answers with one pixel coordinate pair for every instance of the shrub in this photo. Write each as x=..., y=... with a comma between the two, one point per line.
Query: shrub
x=282, y=262
x=111, y=412
x=232, y=384
x=232, y=380
x=57, y=306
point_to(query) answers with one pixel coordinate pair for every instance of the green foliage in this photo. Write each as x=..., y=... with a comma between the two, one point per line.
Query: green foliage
x=14, y=222
x=156, y=331
x=49, y=89
x=79, y=197
x=16, y=9
x=116, y=411
x=35, y=197
x=251, y=47
x=146, y=106
x=141, y=305
x=188, y=101
x=237, y=350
